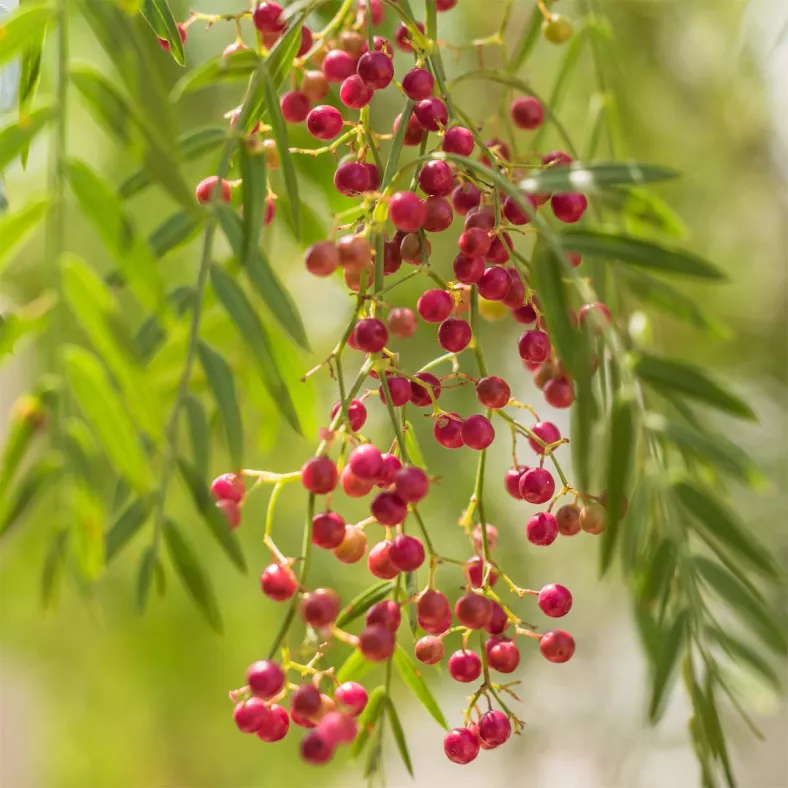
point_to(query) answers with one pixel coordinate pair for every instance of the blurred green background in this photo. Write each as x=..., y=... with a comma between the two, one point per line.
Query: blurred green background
x=93, y=695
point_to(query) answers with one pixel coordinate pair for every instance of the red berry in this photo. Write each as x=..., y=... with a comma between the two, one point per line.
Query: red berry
x=370, y=335
x=454, y=334
x=431, y=113
x=498, y=620
x=278, y=582
x=434, y=306
x=555, y=600
x=354, y=93
x=557, y=646
x=458, y=140
x=436, y=178
x=407, y=212
x=503, y=656
x=439, y=214
x=542, y=529
x=406, y=553
x=295, y=106
x=411, y=484
x=328, y=530
x=511, y=481
x=320, y=607
x=399, y=390
x=465, y=666
x=228, y=486
x=376, y=643
x=385, y=613
x=473, y=611
x=559, y=392
x=265, y=679
x=447, y=430
x=568, y=207
x=438, y=626
x=354, y=486
x=319, y=475
x=419, y=392
x=498, y=253
x=301, y=720
x=250, y=714
x=267, y=18
x=498, y=147
x=392, y=258
x=322, y=258
x=445, y=5
x=548, y=432
x=556, y=158
x=414, y=249
x=275, y=724
x=206, y=188
x=356, y=411
x=316, y=749
x=477, y=539
x=494, y=283
x=477, y=432
x=388, y=508
x=468, y=270
x=537, y=485
x=338, y=65
x=376, y=9
x=366, y=461
x=306, y=41
x=527, y=112
x=376, y=69
x=474, y=569
x=595, y=313
x=493, y=392
x=351, y=698
x=337, y=728
x=525, y=314
x=324, y=122
x=574, y=259
x=568, y=519
x=414, y=132
x=534, y=346
x=465, y=197
x=461, y=745
x=402, y=36
x=482, y=218
x=494, y=728
x=474, y=242
x=418, y=84
x=391, y=465
x=514, y=213
x=380, y=563
x=432, y=606
x=429, y=650
x=306, y=701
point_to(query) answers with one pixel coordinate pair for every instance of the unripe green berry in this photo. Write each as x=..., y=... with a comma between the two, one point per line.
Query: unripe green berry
x=558, y=29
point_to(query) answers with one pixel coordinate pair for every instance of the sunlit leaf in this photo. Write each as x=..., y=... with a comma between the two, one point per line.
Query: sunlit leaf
x=27, y=491
x=364, y=601
x=160, y=18
x=16, y=226
x=255, y=189
x=25, y=322
x=128, y=523
x=110, y=108
x=23, y=28
x=368, y=719
x=411, y=675
x=145, y=577
x=192, y=575
x=174, y=231
x=671, y=644
x=15, y=137
x=412, y=445
x=198, y=430
x=25, y=420
x=239, y=65
x=355, y=667
x=52, y=569
x=399, y=735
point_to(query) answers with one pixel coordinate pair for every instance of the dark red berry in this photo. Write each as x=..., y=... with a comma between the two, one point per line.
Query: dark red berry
x=434, y=306
x=316, y=749
x=418, y=84
x=376, y=69
x=391, y=465
x=473, y=611
x=324, y=122
x=371, y=335
x=354, y=486
x=376, y=9
x=494, y=728
x=498, y=620
x=454, y=334
x=328, y=530
x=407, y=553
x=458, y=140
x=465, y=666
x=569, y=208
x=439, y=214
x=461, y=745
x=503, y=656
x=557, y=646
x=306, y=701
x=468, y=270
x=556, y=158
x=542, y=529
x=447, y=430
x=436, y=178
x=494, y=283
x=475, y=569
x=250, y=714
x=432, y=606
x=429, y=650
x=477, y=432
x=555, y=600
x=278, y=582
x=411, y=484
x=474, y=242
x=380, y=563
x=407, y=212
x=399, y=390
x=527, y=112
x=419, y=392
x=354, y=93
x=366, y=461
x=392, y=258
x=547, y=432
x=386, y=613
x=559, y=392
x=338, y=65
x=415, y=249
x=511, y=481
x=414, y=132
x=351, y=698
x=206, y=188
x=493, y=392
x=228, y=486
x=337, y=728
x=320, y=607
x=267, y=18
x=402, y=36
x=265, y=679
x=319, y=475
x=431, y=113
x=534, y=346
x=465, y=197
x=376, y=643
x=301, y=720
x=356, y=411
x=537, y=485
x=525, y=314
x=483, y=218
x=514, y=213
x=295, y=106
x=306, y=41
x=388, y=508
x=275, y=725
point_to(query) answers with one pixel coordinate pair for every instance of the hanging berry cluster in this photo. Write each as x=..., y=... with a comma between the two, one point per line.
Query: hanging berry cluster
x=390, y=227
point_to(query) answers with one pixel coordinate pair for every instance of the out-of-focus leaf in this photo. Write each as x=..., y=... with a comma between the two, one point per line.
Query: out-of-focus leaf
x=354, y=667
x=641, y=208
x=214, y=519
x=81, y=452
x=128, y=522
x=531, y=34
x=174, y=231
x=579, y=177
x=26, y=321
x=28, y=490
x=16, y=137
x=711, y=515
x=752, y=611
x=659, y=570
x=110, y=108
x=53, y=567
x=23, y=28
x=251, y=329
x=192, y=574
x=739, y=651
x=14, y=227
x=678, y=376
x=412, y=446
x=160, y=18
x=279, y=129
x=621, y=452
x=582, y=417
x=411, y=675
x=29, y=78
x=102, y=408
x=100, y=204
x=87, y=540
x=220, y=379
x=255, y=189
x=217, y=70
x=368, y=719
x=314, y=227
x=364, y=601
x=639, y=252
x=261, y=274
x=399, y=735
x=26, y=418
x=396, y=145
x=668, y=653
x=279, y=60
x=200, y=437
x=145, y=577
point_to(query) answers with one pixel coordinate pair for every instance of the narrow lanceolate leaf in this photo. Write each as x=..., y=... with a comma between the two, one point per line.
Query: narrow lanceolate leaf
x=214, y=519
x=100, y=204
x=198, y=431
x=251, y=329
x=671, y=644
x=25, y=322
x=100, y=404
x=262, y=276
x=192, y=575
x=753, y=612
x=678, y=376
x=30, y=69
x=28, y=491
x=109, y=107
x=621, y=452
x=740, y=652
x=15, y=137
x=145, y=577
x=412, y=591
x=578, y=177
x=711, y=515
x=528, y=40
x=52, y=570
x=396, y=146
x=160, y=18
x=279, y=128
x=93, y=305
x=255, y=189
x=217, y=70
x=369, y=719
x=22, y=28
x=399, y=735
x=354, y=668
x=174, y=231
x=639, y=253
x=220, y=379
x=412, y=445
x=15, y=227
x=128, y=522
x=87, y=535
x=411, y=675
x=364, y=602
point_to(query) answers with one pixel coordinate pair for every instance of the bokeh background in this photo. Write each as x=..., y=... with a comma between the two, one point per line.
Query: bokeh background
x=94, y=696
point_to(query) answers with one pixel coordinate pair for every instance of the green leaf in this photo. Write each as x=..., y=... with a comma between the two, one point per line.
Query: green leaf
x=411, y=675
x=16, y=137
x=251, y=329
x=579, y=177
x=100, y=404
x=368, y=719
x=30, y=69
x=23, y=28
x=87, y=517
x=26, y=321
x=412, y=591
x=683, y=378
x=191, y=573
x=198, y=429
x=191, y=146
x=100, y=204
x=639, y=253
x=160, y=18
x=174, y=231
x=214, y=519
x=709, y=514
x=220, y=379
x=279, y=129
x=14, y=227
x=36, y=480
x=671, y=644
x=660, y=568
x=53, y=567
x=399, y=735
x=255, y=189
x=364, y=601
x=93, y=305
x=128, y=522
x=145, y=577
x=753, y=612
x=396, y=146
x=109, y=107
x=532, y=32
x=620, y=458
x=262, y=276
x=239, y=65
x=412, y=445
x=739, y=652
x=354, y=667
